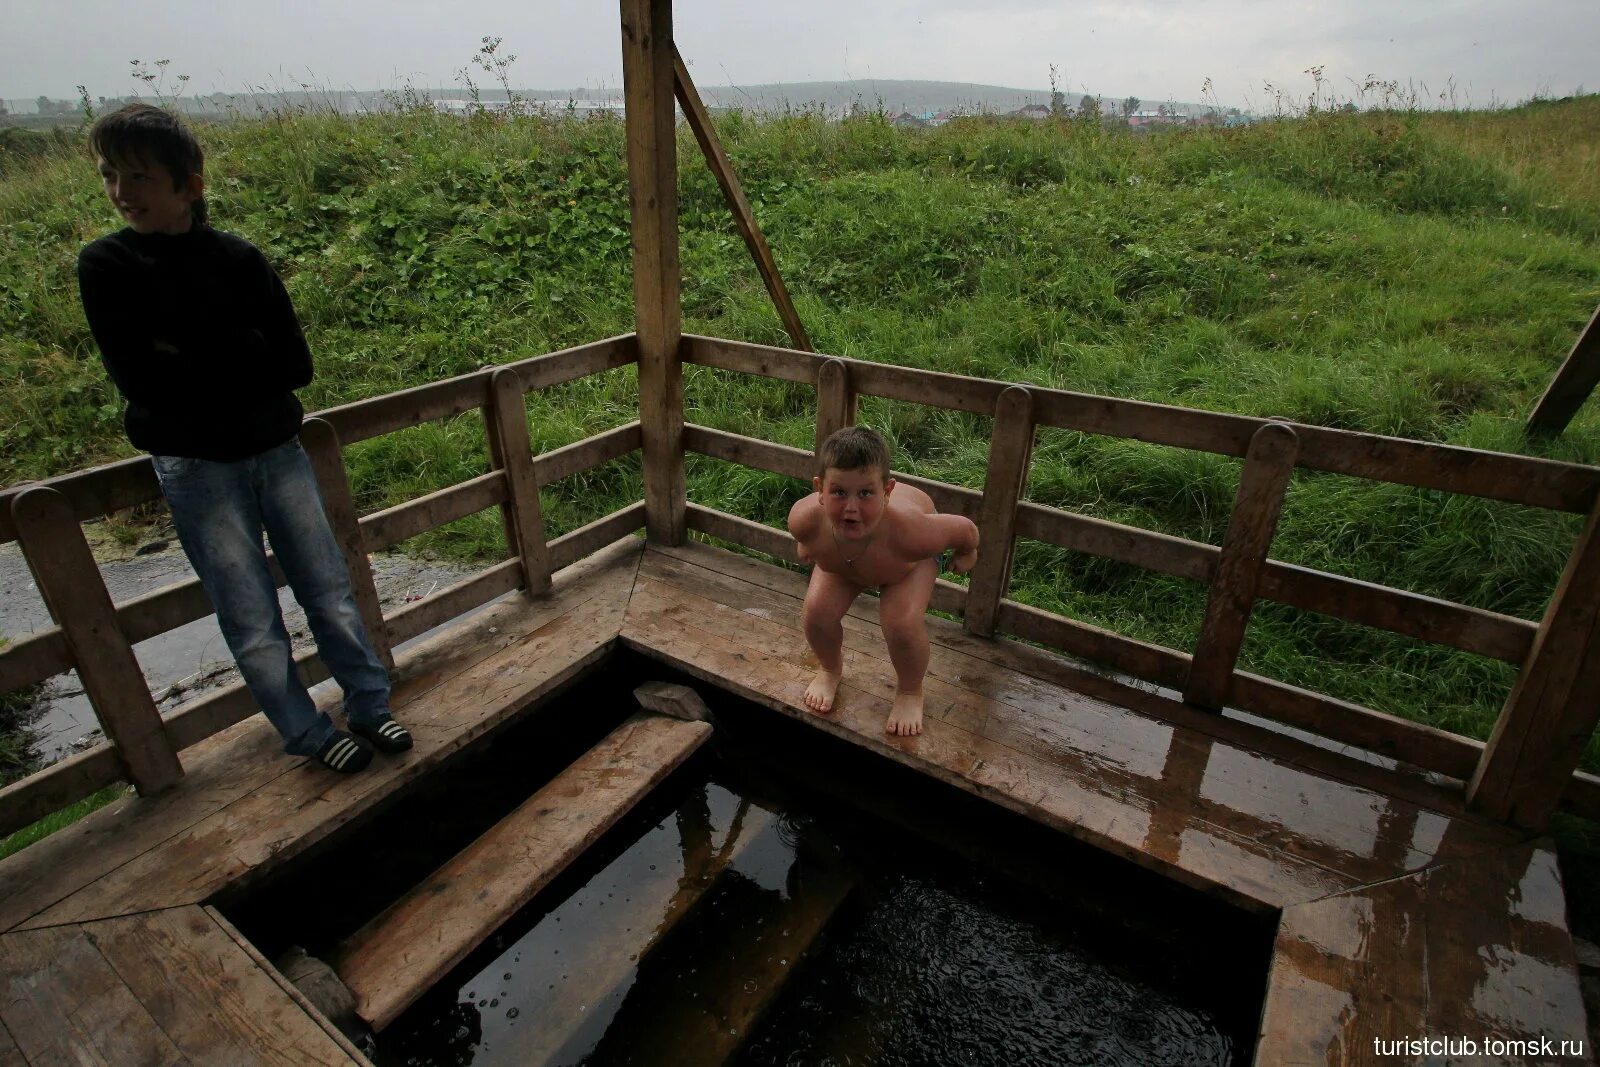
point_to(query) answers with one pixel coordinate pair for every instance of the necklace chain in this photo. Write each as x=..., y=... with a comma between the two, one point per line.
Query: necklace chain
x=849, y=561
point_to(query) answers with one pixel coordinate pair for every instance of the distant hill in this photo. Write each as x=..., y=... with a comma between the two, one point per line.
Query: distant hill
x=831, y=97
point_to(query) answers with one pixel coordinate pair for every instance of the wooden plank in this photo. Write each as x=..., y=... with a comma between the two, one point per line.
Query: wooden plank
x=744, y=219
x=572, y=548
x=836, y=401
x=1583, y=796
x=214, y=1002
x=322, y=445
x=288, y=988
x=271, y=826
x=1087, y=739
x=439, y=608
x=62, y=1003
x=93, y=492
x=510, y=449
x=1346, y=970
x=1375, y=731
x=1238, y=869
x=647, y=80
x=379, y=415
x=1501, y=961
x=1574, y=380
x=657, y=899
x=709, y=567
x=387, y=528
x=1010, y=448
x=1551, y=711
x=742, y=531
x=1493, y=475
x=70, y=584
x=34, y=658
x=1440, y=622
x=401, y=953
x=10, y=1054
x=1262, y=484
x=751, y=452
x=587, y=454
x=246, y=758
x=64, y=782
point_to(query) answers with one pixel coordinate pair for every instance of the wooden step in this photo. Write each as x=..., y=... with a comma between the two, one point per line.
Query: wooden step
x=602, y=945
x=397, y=956
x=698, y=999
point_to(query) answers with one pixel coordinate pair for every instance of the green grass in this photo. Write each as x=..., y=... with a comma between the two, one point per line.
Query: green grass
x=1408, y=274
x=48, y=825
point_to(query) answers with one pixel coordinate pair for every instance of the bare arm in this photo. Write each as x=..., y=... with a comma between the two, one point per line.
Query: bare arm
x=929, y=535
x=804, y=519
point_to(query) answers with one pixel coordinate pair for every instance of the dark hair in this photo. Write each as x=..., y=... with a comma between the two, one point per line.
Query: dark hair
x=144, y=132
x=853, y=448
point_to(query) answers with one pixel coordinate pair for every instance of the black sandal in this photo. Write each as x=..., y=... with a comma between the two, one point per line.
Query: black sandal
x=344, y=754
x=386, y=735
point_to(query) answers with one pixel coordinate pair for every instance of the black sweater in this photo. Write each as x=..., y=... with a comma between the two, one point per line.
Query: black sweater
x=198, y=334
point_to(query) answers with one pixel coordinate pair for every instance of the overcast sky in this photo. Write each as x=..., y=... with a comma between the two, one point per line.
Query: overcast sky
x=1491, y=50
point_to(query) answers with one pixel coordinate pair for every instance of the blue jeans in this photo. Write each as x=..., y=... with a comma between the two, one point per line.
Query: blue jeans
x=220, y=511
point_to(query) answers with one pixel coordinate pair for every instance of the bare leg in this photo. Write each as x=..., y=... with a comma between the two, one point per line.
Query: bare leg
x=828, y=597
x=901, y=612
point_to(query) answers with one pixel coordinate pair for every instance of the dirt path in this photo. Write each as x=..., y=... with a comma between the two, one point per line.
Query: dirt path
x=180, y=662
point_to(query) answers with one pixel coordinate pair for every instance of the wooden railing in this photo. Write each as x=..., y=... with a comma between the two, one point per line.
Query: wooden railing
x=1520, y=779
x=96, y=636
x=1517, y=782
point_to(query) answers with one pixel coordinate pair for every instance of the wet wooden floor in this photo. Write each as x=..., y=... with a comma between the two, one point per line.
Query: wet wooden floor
x=1400, y=916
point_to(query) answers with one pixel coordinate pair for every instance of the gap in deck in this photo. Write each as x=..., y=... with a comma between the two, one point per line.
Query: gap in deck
x=1132, y=924
x=376, y=859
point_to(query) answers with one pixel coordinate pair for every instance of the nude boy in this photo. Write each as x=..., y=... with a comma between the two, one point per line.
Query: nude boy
x=861, y=529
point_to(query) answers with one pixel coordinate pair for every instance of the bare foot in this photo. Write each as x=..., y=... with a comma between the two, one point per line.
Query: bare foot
x=819, y=694
x=905, y=718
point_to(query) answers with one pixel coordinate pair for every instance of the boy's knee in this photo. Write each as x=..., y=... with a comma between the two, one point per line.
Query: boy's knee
x=901, y=624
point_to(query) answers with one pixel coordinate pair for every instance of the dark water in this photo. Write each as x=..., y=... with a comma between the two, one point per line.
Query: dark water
x=787, y=899
x=817, y=944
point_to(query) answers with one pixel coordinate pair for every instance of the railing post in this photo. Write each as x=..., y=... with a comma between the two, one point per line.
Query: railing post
x=1010, y=449
x=1267, y=466
x=647, y=78
x=321, y=443
x=836, y=401
x=1572, y=384
x=70, y=583
x=1553, y=707
x=512, y=453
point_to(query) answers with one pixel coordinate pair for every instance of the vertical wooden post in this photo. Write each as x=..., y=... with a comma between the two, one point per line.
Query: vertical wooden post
x=1010, y=448
x=321, y=442
x=1553, y=707
x=1574, y=381
x=1267, y=466
x=836, y=401
x=647, y=79
x=508, y=444
x=70, y=583
x=743, y=218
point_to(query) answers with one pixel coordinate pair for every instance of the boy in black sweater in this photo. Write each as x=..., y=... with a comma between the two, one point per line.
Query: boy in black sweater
x=198, y=334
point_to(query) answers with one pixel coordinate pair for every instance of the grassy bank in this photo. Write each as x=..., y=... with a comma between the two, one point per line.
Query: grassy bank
x=1415, y=275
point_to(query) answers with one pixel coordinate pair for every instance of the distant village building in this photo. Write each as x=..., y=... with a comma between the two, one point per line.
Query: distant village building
x=906, y=120
x=1035, y=112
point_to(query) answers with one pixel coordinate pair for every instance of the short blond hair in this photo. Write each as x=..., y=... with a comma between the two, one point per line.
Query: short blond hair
x=854, y=448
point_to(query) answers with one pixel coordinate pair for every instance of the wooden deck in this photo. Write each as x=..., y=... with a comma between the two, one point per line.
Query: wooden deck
x=1401, y=916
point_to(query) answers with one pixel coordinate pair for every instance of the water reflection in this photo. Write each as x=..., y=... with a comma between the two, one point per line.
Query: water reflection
x=728, y=932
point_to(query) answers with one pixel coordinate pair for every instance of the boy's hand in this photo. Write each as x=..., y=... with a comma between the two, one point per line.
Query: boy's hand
x=962, y=562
